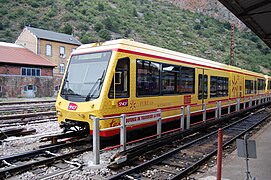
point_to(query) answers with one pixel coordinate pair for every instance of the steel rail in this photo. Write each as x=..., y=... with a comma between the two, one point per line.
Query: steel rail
x=181, y=174
x=15, y=169
x=26, y=102
x=20, y=116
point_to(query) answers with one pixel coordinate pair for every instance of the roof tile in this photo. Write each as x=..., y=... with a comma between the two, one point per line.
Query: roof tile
x=20, y=55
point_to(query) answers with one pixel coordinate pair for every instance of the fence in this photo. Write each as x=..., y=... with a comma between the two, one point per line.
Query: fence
x=156, y=116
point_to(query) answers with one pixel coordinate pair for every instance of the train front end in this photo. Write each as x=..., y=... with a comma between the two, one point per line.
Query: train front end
x=81, y=91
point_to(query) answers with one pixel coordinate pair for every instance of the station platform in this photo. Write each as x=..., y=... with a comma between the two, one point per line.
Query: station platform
x=234, y=167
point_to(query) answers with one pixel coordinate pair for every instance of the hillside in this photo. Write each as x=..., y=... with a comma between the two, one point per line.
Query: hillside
x=159, y=23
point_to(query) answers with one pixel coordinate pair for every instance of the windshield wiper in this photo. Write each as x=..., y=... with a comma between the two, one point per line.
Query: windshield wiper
x=94, y=88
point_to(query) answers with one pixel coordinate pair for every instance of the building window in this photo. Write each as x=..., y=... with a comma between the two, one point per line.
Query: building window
x=57, y=88
x=1, y=89
x=30, y=88
x=62, y=52
x=30, y=71
x=48, y=50
x=61, y=68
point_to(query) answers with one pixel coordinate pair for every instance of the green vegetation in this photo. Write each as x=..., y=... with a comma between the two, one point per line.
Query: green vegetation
x=153, y=22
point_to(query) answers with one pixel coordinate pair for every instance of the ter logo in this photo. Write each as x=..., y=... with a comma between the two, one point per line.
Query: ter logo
x=72, y=106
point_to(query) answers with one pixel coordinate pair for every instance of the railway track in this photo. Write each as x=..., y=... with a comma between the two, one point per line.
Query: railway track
x=8, y=108
x=178, y=159
x=15, y=164
x=28, y=118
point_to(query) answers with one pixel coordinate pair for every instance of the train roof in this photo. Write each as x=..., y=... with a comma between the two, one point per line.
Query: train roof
x=145, y=49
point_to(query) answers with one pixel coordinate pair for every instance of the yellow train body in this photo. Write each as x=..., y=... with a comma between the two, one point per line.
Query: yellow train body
x=141, y=78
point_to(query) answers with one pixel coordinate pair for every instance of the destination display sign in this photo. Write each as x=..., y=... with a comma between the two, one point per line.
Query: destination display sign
x=131, y=120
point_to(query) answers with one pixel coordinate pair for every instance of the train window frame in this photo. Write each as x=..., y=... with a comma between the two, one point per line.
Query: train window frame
x=182, y=69
x=221, y=86
x=147, y=73
x=173, y=71
x=122, y=87
x=261, y=84
x=249, y=89
x=269, y=85
x=205, y=86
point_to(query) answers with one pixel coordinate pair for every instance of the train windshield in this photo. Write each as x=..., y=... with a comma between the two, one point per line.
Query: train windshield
x=84, y=77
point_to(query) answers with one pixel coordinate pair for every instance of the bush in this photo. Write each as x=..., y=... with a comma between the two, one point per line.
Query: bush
x=100, y=7
x=34, y=4
x=98, y=26
x=197, y=27
x=67, y=29
x=111, y=24
x=105, y=34
x=52, y=12
x=227, y=25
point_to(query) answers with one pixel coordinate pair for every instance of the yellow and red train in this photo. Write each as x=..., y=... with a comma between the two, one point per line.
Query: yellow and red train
x=126, y=77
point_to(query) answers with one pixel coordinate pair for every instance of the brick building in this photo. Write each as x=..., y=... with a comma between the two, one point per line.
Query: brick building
x=24, y=73
x=54, y=46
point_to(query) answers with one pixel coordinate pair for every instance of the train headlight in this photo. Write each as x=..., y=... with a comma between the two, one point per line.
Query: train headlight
x=59, y=113
x=91, y=117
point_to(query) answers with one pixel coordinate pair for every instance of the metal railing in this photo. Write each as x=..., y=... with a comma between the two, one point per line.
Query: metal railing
x=156, y=116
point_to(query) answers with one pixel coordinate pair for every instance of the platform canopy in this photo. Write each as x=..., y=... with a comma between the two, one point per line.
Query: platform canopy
x=256, y=14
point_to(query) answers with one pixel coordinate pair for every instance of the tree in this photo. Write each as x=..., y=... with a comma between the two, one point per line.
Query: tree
x=98, y=26
x=1, y=26
x=67, y=29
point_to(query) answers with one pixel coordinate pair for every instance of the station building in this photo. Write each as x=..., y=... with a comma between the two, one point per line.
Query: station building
x=24, y=73
x=53, y=46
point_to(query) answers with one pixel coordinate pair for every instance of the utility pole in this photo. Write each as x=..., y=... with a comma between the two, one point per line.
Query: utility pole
x=232, y=45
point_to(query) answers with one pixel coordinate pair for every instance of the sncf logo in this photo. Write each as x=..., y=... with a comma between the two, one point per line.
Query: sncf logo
x=72, y=106
x=123, y=103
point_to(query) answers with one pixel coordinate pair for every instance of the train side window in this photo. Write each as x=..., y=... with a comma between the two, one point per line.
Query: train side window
x=219, y=86
x=187, y=80
x=121, y=80
x=213, y=86
x=269, y=85
x=261, y=84
x=203, y=86
x=148, y=78
x=255, y=87
x=170, y=77
x=248, y=86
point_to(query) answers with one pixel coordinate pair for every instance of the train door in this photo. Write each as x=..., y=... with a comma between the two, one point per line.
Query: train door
x=237, y=81
x=120, y=86
x=202, y=85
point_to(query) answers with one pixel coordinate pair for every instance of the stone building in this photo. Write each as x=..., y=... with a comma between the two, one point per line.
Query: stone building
x=54, y=46
x=24, y=73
